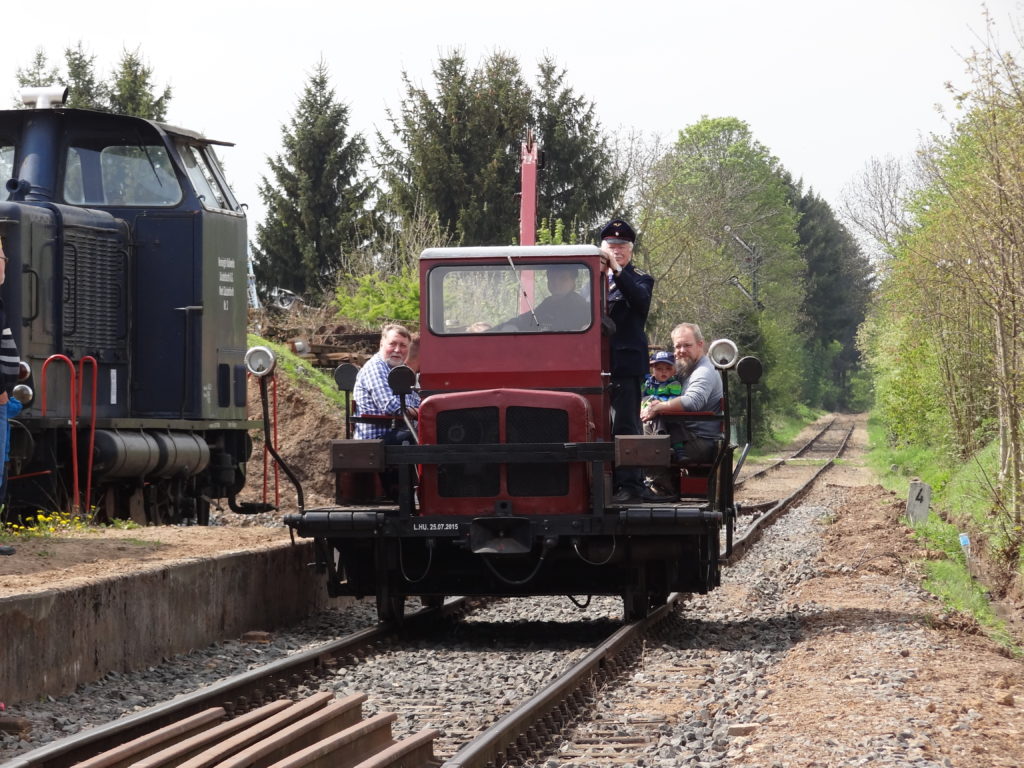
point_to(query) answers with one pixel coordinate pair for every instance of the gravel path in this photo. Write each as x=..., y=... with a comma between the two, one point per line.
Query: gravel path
x=703, y=673
x=820, y=649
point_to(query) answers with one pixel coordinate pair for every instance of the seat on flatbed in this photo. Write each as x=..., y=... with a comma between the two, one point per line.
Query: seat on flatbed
x=693, y=477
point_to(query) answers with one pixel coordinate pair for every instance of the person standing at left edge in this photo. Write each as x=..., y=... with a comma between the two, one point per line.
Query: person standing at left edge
x=8, y=378
x=629, y=301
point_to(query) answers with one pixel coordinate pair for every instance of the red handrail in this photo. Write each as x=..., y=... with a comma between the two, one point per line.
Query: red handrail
x=73, y=415
x=266, y=449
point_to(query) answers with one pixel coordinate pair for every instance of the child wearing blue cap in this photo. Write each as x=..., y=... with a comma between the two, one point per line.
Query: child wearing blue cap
x=661, y=383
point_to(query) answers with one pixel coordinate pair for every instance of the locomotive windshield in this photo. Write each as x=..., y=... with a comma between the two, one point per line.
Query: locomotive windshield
x=499, y=298
x=101, y=173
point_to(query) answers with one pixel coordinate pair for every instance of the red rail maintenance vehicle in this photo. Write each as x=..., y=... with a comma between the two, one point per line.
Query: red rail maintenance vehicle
x=508, y=490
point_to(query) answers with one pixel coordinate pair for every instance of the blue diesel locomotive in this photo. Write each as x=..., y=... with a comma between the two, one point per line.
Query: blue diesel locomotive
x=126, y=294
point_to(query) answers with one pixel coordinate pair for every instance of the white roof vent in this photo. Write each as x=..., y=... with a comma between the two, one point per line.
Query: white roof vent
x=44, y=97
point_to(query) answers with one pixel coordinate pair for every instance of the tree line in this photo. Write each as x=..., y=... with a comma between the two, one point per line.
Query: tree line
x=734, y=242
x=944, y=342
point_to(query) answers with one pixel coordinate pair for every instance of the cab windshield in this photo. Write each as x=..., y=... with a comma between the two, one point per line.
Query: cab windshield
x=499, y=298
x=102, y=172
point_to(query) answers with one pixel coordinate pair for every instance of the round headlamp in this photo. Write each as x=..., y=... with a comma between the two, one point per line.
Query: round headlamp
x=260, y=361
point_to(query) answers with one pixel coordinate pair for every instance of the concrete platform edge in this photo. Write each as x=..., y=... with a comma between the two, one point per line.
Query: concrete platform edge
x=53, y=640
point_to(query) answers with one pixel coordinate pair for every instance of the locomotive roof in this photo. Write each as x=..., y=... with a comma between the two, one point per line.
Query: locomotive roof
x=167, y=128
x=511, y=252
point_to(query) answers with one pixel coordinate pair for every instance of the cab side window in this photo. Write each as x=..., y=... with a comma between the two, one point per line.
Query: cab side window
x=199, y=165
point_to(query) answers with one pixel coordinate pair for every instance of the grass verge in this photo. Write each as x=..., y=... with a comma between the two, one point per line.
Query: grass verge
x=48, y=524
x=297, y=369
x=964, y=489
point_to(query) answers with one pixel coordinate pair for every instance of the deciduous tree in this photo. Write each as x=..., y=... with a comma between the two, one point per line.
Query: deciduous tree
x=722, y=220
x=837, y=292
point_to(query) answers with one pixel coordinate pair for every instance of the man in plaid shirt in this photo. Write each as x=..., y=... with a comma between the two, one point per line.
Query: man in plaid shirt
x=373, y=395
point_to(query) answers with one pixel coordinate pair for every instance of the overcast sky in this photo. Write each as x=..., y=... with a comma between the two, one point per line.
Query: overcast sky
x=824, y=84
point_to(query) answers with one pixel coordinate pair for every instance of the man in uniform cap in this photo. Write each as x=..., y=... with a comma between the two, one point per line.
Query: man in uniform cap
x=629, y=300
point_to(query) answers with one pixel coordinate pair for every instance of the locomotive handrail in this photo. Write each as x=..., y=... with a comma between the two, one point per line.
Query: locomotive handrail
x=92, y=419
x=73, y=414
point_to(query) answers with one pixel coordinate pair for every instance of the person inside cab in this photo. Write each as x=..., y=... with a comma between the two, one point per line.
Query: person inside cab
x=563, y=310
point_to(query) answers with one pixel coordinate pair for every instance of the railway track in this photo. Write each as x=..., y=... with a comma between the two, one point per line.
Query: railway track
x=252, y=697
x=268, y=717
x=755, y=485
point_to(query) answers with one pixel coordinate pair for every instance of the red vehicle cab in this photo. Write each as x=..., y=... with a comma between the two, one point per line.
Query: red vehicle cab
x=507, y=491
x=506, y=360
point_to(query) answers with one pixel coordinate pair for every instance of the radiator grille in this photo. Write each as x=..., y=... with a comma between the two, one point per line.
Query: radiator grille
x=93, y=291
x=468, y=426
x=537, y=425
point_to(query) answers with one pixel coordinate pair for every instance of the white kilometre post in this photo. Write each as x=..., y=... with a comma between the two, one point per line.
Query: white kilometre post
x=918, y=501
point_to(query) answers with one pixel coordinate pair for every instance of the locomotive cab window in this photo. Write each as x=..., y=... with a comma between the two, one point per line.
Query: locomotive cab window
x=533, y=298
x=199, y=165
x=6, y=160
x=100, y=173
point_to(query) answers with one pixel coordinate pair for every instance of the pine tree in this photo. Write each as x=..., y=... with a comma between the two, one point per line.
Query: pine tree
x=37, y=74
x=578, y=184
x=85, y=89
x=131, y=90
x=456, y=154
x=316, y=196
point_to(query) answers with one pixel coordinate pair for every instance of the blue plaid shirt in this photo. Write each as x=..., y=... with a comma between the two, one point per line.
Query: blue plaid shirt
x=373, y=396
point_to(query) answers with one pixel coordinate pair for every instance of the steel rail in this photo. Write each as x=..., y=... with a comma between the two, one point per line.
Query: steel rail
x=760, y=524
x=780, y=462
x=531, y=721
x=530, y=724
x=525, y=722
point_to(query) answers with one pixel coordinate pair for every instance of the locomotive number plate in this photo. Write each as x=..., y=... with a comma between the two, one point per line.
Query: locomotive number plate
x=435, y=526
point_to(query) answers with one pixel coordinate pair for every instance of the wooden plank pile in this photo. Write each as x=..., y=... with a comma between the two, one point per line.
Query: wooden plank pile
x=329, y=346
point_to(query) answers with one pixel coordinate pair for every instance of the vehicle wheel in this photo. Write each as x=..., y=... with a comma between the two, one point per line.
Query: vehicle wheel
x=390, y=608
x=658, y=599
x=636, y=605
